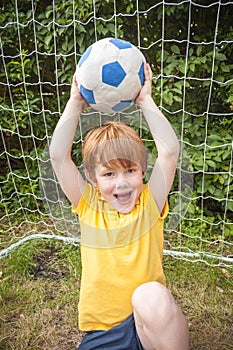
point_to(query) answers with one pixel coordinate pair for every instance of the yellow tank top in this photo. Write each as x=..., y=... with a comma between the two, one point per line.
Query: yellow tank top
x=119, y=252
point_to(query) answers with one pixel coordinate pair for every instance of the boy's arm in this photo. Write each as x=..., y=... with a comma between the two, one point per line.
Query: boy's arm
x=70, y=179
x=166, y=142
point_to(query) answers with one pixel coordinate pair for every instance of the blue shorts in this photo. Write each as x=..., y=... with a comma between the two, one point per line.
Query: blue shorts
x=122, y=337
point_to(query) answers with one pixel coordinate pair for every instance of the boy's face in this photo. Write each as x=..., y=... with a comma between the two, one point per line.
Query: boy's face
x=120, y=187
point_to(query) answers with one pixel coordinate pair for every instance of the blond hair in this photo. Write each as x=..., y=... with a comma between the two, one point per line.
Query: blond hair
x=113, y=144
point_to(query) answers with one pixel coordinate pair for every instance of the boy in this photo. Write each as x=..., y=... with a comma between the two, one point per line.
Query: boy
x=124, y=303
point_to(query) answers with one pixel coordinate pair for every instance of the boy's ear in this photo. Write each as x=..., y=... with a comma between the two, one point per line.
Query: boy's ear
x=90, y=178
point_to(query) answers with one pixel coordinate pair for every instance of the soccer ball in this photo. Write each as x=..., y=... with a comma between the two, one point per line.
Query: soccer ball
x=110, y=75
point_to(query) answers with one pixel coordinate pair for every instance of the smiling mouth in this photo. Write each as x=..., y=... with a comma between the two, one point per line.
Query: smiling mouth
x=123, y=197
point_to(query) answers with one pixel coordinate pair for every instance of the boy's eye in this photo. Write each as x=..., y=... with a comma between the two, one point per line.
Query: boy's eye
x=131, y=170
x=108, y=174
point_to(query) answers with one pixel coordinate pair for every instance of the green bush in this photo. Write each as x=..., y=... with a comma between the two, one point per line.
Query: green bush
x=192, y=83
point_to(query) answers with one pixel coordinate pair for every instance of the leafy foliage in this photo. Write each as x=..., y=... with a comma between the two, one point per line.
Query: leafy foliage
x=192, y=82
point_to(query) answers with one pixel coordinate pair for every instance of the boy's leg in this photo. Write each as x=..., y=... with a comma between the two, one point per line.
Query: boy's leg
x=160, y=324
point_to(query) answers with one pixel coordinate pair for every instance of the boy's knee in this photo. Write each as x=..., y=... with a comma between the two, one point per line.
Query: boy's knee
x=151, y=300
x=151, y=292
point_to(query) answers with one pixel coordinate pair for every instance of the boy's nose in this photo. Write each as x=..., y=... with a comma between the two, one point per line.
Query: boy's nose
x=122, y=182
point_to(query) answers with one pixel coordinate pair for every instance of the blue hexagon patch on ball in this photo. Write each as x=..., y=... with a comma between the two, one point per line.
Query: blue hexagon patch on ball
x=113, y=74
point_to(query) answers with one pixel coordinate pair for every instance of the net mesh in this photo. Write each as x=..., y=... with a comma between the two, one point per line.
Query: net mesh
x=189, y=47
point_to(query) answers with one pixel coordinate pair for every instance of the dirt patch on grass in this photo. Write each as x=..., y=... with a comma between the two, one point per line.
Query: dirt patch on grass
x=47, y=266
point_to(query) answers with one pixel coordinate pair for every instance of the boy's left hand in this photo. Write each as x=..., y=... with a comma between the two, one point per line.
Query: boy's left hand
x=146, y=90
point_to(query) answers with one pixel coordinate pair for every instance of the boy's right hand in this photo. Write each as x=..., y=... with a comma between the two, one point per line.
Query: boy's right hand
x=75, y=94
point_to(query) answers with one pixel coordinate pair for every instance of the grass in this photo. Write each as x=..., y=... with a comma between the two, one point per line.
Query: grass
x=205, y=295
x=39, y=290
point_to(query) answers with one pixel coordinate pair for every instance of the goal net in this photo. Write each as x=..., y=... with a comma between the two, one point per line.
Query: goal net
x=189, y=47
